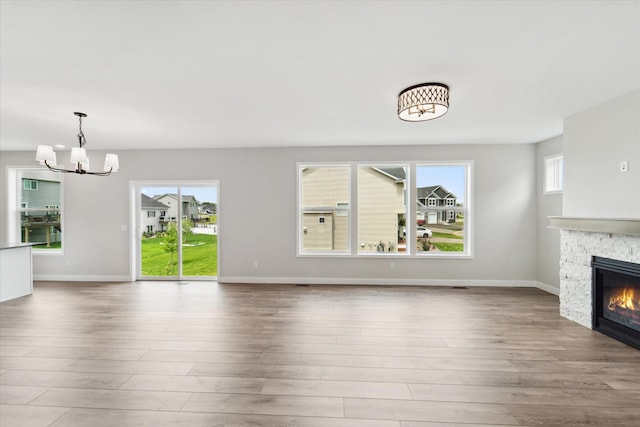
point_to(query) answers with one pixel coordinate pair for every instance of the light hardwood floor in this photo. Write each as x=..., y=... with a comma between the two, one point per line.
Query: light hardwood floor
x=206, y=354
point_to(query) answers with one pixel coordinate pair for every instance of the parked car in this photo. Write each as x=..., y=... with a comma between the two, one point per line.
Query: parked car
x=423, y=232
x=420, y=232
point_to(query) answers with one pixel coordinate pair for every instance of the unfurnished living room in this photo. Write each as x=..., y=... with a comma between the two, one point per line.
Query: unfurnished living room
x=320, y=213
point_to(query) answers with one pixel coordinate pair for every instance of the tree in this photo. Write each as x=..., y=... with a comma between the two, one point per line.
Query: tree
x=209, y=206
x=186, y=229
x=170, y=246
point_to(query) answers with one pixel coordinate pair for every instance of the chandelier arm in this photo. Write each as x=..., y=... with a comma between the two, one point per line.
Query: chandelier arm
x=99, y=173
x=78, y=171
x=58, y=169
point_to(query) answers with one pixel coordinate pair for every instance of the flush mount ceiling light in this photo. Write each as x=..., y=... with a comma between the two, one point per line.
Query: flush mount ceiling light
x=422, y=102
x=47, y=157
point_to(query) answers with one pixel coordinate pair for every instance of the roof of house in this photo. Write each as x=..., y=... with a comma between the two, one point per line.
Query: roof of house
x=397, y=173
x=435, y=190
x=185, y=197
x=147, y=202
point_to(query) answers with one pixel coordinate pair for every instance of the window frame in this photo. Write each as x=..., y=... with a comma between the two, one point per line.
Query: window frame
x=344, y=210
x=555, y=161
x=468, y=210
x=411, y=194
x=381, y=247
x=15, y=207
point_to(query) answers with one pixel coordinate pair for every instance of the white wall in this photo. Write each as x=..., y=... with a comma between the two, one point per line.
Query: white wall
x=258, y=192
x=595, y=142
x=548, y=243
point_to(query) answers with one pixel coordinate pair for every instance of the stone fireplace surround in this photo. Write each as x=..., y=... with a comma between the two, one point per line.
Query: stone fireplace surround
x=580, y=239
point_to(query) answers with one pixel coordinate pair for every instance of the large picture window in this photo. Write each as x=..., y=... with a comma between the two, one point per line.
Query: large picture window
x=35, y=201
x=382, y=209
x=324, y=194
x=441, y=208
x=436, y=223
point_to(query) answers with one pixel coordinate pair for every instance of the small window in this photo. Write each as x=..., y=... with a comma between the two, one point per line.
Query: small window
x=30, y=184
x=321, y=220
x=151, y=214
x=343, y=209
x=431, y=202
x=553, y=174
x=451, y=202
x=150, y=229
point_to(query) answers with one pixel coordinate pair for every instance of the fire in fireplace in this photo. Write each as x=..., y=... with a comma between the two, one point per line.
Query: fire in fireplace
x=616, y=299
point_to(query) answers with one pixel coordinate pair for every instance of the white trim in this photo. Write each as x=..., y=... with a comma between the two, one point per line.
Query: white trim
x=379, y=281
x=548, y=288
x=321, y=281
x=81, y=278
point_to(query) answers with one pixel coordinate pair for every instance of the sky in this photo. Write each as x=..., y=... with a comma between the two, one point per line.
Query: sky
x=202, y=194
x=450, y=177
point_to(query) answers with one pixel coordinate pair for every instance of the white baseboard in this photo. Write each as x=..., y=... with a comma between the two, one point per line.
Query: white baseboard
x=548, y=288
x=381, y=282
x=324, y=281
x=79, y=278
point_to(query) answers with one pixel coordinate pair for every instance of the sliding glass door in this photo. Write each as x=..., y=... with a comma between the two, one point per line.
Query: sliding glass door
x=177, y=230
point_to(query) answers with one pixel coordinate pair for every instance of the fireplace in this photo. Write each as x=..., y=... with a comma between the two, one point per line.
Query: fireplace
x=616, y=299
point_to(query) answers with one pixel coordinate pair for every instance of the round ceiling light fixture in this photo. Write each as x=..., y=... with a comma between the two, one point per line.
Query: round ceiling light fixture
x=426, y=101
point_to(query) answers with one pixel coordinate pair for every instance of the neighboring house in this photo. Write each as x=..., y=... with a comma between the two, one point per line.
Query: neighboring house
x=436, y=204
x=189, y=206
x=381, y=205
x=324, y=226
x=381, y=199
x=40, y=210
x=152, y=211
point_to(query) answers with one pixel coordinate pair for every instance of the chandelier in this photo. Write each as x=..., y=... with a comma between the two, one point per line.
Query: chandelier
x=426, y=101
x=47, y=157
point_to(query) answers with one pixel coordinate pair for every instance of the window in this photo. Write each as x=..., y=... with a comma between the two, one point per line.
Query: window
x=150, y=229
x=448, y=230
x=151, y=214
x=35, y=214
x=29, y=184
x=437, y=223
x=553, y=174
x=381, y=207
x=323, y=216
x=342, y=208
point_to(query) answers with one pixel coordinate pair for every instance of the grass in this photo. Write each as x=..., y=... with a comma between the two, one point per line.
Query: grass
x=446, y=235
x=54, y=245
x=201, y=260
x=449, y=247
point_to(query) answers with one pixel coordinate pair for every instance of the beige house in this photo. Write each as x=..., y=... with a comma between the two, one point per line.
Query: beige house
x=325, y=217
x=189, y=207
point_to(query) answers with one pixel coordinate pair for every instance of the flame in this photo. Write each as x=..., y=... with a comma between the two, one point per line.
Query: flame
x=624, y=300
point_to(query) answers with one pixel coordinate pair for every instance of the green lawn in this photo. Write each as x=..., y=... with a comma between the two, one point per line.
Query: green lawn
x=446, y=235
x=449, y=247
x=54, y=245
x=200, y=260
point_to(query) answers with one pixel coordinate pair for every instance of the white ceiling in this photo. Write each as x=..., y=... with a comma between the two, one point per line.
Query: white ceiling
x=195, y=74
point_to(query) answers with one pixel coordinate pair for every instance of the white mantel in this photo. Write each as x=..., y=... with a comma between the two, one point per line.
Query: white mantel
x=580, y=239
x=601, y=225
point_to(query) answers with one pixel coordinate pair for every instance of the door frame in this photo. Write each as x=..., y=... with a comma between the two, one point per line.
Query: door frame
x=135, y=188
